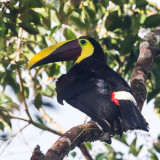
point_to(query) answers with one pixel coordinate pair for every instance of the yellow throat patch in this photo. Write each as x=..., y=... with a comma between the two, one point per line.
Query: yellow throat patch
x=87, y=50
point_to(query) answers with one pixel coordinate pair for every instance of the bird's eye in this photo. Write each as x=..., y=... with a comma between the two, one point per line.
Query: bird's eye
x=83, y=42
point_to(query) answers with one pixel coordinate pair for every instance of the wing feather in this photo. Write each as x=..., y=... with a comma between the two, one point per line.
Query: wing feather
x=92, y=96
x=89, y=90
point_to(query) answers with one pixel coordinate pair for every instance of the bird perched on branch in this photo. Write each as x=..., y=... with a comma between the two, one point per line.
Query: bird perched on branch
x=92, y=86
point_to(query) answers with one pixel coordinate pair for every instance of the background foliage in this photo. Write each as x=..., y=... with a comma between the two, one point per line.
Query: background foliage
x=29, y=26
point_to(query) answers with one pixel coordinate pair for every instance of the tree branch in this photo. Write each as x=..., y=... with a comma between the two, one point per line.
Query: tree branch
x=85, y=152
x=72, y=138
x=19, y=74
x=90, y=131
x=10, y=139
x=43, y=127
x=50, y=120
x=147, y=55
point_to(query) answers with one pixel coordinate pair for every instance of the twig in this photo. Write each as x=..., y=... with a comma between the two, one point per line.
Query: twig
x=36, y=124
x=85, y=152
x=17, y=117
x=19, y=74
x=50, y=120
x=39, y=72
x=8, y=143
x=45, y=128
x=11, y=138
x=22, y=93
x=20, y=130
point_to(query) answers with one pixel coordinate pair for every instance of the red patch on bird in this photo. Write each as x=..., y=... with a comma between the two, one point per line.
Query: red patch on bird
x=114, y=99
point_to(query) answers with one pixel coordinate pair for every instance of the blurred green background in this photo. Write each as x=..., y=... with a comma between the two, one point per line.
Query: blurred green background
x=28, y=26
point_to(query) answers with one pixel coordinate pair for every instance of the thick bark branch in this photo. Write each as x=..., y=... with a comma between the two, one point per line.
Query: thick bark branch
x=90, y=131
x=72, y=138
x=147, y=55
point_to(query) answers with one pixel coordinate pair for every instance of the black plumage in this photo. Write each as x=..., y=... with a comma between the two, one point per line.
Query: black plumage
x=92, y=86
x=88, y=86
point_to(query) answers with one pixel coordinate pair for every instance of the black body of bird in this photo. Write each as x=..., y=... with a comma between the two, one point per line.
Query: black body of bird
x=93, y=87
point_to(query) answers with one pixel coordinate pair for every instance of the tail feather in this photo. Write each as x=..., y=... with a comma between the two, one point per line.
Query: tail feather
x=131, y=116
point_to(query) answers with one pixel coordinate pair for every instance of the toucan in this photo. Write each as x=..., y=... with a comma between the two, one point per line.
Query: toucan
x=92, y=86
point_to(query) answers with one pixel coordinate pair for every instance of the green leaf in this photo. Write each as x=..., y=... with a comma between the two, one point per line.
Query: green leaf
x=32, y=16
x=109, y=148
x=152, y=94
x=126, y=22
x=90, y=11
x=40, y=120
x=29, y=28
x=9, y=105
x=30, y=47
x=35, y=16
x=107, y=42
x=105, y=3
x=3, y=43
x=10, y=79
x=49, y=91
x=69, y=65
x=127, y=44
x=19, y=96
x=76, y=20
x=101, y=156
x=2, y=28
x=141, y=3
x=47, y=102
x=100, y=11
x=133, y=146
x=5, y=119
x=26, y=92
x=88, y=145
x=12, y=28
x=55, y=29
x=47, y=22
x=69, y=34
x=123, y=139
x=73, y=154
x=157, y=146
x=55, y=5
x=120, y=3
x=4, y=97
x=31, y=4
x=113, y=21
x=133, y=149
x=38, y=101
x=152, y=21
x=150, y=150
x=154, y=157
x=53, y=69
x=1, y=126
x=75, y=3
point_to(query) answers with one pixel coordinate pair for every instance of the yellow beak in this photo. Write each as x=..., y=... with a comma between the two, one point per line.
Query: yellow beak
x=64, y=51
